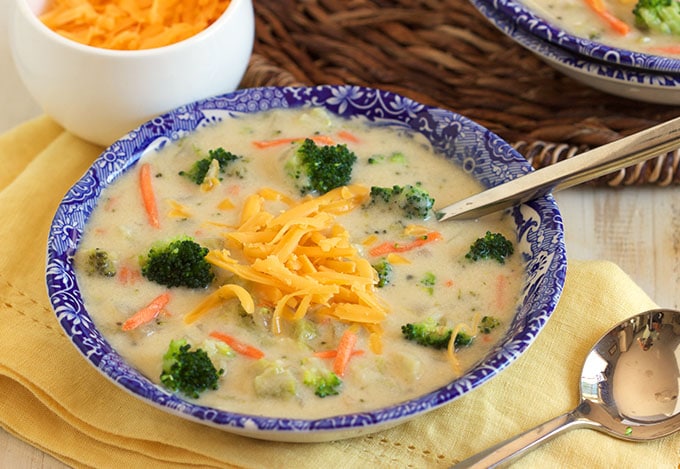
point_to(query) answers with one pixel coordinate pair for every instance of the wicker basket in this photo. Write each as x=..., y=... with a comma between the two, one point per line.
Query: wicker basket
x=444, y=53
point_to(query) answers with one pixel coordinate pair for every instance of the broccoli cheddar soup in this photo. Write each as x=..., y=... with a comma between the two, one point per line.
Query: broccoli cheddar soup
x=643, y=26
x=289, y=264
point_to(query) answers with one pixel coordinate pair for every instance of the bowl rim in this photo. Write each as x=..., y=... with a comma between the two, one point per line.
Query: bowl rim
x=549, y=51
x=23, y=8
x=546, y=269
x=541, y=27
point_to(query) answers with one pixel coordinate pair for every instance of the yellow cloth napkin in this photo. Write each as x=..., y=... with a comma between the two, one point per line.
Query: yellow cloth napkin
x=52, y=397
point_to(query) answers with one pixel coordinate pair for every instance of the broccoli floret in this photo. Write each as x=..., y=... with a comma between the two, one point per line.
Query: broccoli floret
x=385, y=272
x=662, y=16
x=324, y=382
x=396, y=157
x=320, y=168
x=428, y=281
x=463, y=339
x=491, y=246
x=487, y=324
x=431, y=333
x=100, y=262
x=413, y=201
x=188, y=371
x=200, y=168
x=178, y=263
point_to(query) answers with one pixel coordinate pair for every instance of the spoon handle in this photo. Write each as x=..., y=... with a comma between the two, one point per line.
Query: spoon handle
x=520, y=444
x=584, y=167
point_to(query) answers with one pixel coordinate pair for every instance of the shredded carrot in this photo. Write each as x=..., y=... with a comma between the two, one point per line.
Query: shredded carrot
x=666, y=49
x=148, y=195
x=318, y=139
x=147, y=313
x=124, y=275
x=348, y=136
x=111, y=204
x=344, y=352
x=615, y=23
x=391, y=246
x=130, y=25
x=501, y=289
x=128, y=275
x=237, y=345
x=234, y=189
x=334, y=353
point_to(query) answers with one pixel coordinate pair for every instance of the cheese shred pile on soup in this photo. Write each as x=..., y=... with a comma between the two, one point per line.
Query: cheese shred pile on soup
x=306, y=285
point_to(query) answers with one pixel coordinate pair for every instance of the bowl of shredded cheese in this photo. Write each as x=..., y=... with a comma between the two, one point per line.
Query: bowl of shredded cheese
x=100, y=68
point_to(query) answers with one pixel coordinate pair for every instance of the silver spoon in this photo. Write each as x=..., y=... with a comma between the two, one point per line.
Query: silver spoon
x=629, y=389
x=586, y=166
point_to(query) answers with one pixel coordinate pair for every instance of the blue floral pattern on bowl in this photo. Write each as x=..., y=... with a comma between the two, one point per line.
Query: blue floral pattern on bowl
x=537, y=26
x=483, y=154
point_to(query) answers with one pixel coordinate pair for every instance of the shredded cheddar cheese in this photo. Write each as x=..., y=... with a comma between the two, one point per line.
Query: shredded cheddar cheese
x=226, y=204
x=300, y=261
x=178, y=210
x=225, y=292
x=451, y=348
x=416, y=230
x=396, y=259
x=131, y=24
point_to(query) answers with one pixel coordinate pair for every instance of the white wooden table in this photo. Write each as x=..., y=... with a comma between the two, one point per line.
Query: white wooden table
x=638, y=228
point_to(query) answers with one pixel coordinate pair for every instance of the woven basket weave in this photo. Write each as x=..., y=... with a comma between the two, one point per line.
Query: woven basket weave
x=444, y=53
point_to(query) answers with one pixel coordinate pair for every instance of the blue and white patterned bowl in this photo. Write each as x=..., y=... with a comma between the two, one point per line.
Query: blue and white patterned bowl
x=632, y=83
x=480, y=152
x=615, y=56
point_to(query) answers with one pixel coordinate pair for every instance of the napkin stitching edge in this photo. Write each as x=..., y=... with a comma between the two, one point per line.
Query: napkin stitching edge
x=33, y=301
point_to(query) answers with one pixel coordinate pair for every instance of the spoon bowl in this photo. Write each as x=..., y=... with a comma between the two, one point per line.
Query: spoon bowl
x=629, y=383
x=629, y=388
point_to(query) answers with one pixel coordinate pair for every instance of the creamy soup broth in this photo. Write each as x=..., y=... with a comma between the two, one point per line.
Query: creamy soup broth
x=577, y=18
x=463, y=289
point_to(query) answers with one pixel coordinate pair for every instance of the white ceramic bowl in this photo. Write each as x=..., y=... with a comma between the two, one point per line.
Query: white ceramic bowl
x=100, y=94
x=628, y=82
